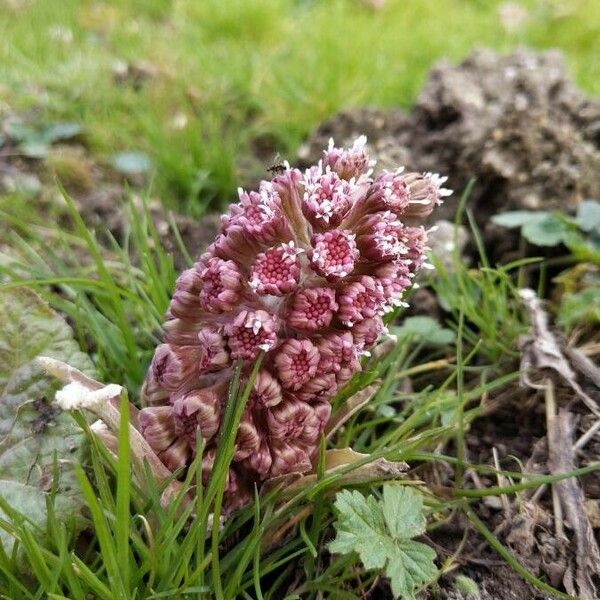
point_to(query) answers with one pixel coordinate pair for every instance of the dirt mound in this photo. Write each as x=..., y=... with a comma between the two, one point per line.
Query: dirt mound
x=516, y=122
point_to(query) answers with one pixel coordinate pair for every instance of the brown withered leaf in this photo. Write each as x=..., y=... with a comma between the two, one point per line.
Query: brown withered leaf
x=541, y=350
x=562, y=460
x=378, y=469
x=350, y=407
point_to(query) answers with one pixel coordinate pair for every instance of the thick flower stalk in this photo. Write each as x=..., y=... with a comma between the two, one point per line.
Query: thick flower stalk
x=303, y=270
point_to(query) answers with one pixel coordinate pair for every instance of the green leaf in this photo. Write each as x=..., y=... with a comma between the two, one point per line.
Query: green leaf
x=425, y=329
x=518, y=218
x=32, y=431
x=580, y=308
x=547, y=231
x=588, y=215
x=403, y=511
x=59, y=132
x=381, y=533
x=132, y=163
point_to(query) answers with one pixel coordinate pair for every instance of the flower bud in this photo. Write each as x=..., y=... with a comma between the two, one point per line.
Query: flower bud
x=313, y=309
x=296, y=363
x=348, y=163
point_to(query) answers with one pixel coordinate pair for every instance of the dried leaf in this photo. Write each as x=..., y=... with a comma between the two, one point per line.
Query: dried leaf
x=378, y=469
x=351, y=406
x=562, y=460
x=542, y=350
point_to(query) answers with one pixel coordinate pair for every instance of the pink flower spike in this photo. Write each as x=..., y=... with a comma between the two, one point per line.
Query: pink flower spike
x=276, y=271
x=313, y=309
x=334, y=254
x=348, y=163
x=327, y=198
x=250, y=332
x=296, y=363
x=303, y=268
x=360, y=299
x=222, y=285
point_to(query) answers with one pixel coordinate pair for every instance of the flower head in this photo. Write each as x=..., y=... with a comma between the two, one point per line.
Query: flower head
x=302, y=270
x=174, y=366
x=426, y=192
x=327, y=197
x=366, y=332
x=250, y=332
x=381, y=237
x=214, y=351
x=390, y=191
x=334, y=254
x=258, y=214
x=294, y=420
x=348, y=163
x=296, y=363
x=198, y=412
x=360, y=299
x=222, y=285
x=395, y=278
x=313, y=308
x=266, y=391
x=339, y=355
x=276, y=271
x=416, y=243
x=185, y=303
x=157, y=425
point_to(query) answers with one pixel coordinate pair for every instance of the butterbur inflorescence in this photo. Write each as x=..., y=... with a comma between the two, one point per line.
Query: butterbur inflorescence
x=303, y=270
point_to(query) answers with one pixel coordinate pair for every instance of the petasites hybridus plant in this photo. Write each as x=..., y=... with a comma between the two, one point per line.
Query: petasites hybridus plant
x=303, y=269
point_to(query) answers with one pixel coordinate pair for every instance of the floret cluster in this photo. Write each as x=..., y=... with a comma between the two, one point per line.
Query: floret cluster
x=303, y=269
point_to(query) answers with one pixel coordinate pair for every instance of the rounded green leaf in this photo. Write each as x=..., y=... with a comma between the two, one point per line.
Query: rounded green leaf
x=37, y=441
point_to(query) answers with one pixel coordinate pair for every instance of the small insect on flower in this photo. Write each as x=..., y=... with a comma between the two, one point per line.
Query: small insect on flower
x=303, y=270
x=278, y=167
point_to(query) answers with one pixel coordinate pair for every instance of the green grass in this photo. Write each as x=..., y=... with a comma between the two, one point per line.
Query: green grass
x=243, y=70
x=138, y=548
